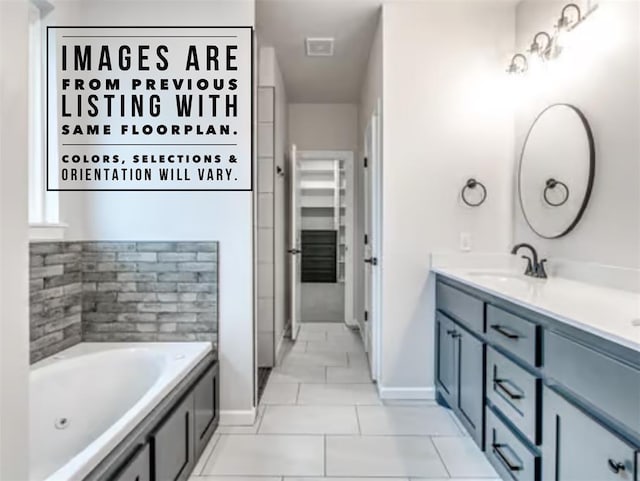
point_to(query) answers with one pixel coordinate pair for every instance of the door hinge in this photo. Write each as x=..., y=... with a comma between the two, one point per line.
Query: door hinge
x=366, y=316
x=366, y=162
x=366, y=239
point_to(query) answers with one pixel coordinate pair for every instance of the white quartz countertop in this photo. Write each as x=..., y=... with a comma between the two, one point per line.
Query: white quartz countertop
x=612, y=314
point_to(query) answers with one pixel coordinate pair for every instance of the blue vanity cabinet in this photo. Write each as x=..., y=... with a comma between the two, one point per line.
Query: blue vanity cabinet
x=576, y=447
x=460, y=357
x=561, y=403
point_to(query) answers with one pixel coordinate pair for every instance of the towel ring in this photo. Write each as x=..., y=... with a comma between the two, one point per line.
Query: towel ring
x=472, y=184
x=551, y=184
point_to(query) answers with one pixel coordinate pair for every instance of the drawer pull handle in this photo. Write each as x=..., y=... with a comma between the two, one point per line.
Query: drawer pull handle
x=616, y=466
x=504, y=332
x=500, y=384
x=504, y=458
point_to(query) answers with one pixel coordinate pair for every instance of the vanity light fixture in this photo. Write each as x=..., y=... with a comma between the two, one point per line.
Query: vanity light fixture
x=570, y=17
x=518, y=65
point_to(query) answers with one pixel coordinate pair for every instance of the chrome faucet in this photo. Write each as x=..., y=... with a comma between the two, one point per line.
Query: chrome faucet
x=534, y=268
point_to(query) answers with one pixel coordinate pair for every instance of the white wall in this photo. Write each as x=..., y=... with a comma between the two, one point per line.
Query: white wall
x=446, y=118
x=14, y=294
x=223, y=216
x=600, y=75
x=324, y=126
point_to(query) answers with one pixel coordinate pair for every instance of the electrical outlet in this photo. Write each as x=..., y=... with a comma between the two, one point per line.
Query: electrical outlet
x=465, y=241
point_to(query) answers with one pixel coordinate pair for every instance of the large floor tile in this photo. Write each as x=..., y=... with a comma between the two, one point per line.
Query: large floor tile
x=235, y=478
x=276, y=393
x=338, y=394
x=304, y=335
x=348, y=479
x=297, y=374
x=463, y=458
x=407, y=420
x=454, y=479
x=348, y=375
x=324, y=358
x=267, y=455
x=328, y=327
x=309, y=420
x=340, y=344
x=404, y=456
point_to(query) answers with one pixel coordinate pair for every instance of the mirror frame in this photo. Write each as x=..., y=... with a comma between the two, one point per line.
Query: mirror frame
x=592, y=170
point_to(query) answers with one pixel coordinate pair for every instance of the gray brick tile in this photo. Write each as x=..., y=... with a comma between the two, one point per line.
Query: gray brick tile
x=155, y=246
x=137, y=297
x=157, y=307
x=197, y=247
x=176, y=256
x=109, y=246
x=116, y=287
x=47, y=271
x=138, y=256
x=116, y=267
x=196, y=266
x=177, y=317
x=137, y=276
x=178, y=277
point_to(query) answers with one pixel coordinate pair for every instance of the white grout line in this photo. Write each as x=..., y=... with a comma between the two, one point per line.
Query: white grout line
x=358, y=421
x=440, y=457
x=298, y=393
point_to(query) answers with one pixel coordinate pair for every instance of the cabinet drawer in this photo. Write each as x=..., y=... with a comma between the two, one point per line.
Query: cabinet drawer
x=578, y=448
x=514, y=392
x=509, y=456
x=137, y=468
x=518, y=336
x=608, y=384
x=461, y=306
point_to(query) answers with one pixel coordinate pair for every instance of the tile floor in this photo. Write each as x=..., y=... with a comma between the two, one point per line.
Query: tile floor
x=320, y=416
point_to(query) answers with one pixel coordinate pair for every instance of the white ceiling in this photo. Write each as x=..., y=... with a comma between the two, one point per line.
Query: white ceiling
x=284, y=24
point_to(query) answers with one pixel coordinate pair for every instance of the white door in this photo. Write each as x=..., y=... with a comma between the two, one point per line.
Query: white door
x=372, y=241
x=294, y=243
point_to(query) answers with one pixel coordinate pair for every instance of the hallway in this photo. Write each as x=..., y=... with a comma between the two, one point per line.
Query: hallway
x=320, y=416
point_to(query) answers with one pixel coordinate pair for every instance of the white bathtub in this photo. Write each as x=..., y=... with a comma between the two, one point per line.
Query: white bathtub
x=86, y=399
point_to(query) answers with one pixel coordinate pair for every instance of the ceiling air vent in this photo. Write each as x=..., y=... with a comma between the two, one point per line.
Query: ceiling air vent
x=319, y=47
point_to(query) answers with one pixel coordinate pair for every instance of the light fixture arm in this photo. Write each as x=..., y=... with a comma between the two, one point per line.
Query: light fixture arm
x=536, y=47
x=564, y=21
x=514, y=67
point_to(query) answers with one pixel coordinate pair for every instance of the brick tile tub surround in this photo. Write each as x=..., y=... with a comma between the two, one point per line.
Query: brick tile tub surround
x=122, y=291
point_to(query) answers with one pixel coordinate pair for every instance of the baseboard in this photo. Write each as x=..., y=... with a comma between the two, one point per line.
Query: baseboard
x=237, y=418
x=409, y=393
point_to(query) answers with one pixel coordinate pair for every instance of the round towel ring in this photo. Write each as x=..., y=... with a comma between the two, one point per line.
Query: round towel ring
x=551, y=184
x=472, y=184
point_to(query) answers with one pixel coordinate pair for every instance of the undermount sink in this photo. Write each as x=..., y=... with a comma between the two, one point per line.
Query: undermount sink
x=502, y=278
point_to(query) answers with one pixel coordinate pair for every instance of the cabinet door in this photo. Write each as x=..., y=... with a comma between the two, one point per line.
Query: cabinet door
x=578, y=448
x=172, y=444
x=205, y=408
x=445, y=358
x=470, y=389
x=137, y=468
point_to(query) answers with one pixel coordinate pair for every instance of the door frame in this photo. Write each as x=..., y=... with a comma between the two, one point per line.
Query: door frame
x=349, y=286
x=373, y=153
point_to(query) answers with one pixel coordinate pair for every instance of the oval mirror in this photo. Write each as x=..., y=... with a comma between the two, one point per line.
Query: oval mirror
x=557, y=166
